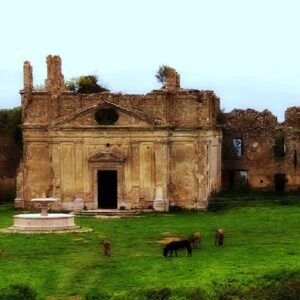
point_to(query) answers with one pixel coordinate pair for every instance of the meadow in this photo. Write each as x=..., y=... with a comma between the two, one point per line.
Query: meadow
x=260, y=253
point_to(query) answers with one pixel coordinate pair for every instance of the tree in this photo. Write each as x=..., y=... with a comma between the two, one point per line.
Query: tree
x=161, y=74
x=84, y=85
x=3, y=117
x=14, y=121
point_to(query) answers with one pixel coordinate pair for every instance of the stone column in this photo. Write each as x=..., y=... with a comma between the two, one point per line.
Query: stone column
x=172, y=80
x=161, y=202
x=26, y=93
x=55, y=80
x=27, y=73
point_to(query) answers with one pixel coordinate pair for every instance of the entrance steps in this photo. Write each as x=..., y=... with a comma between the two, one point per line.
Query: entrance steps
x=108, y=213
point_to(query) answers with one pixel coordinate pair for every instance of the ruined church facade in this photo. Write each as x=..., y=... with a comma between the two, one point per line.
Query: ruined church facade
x=113, y=150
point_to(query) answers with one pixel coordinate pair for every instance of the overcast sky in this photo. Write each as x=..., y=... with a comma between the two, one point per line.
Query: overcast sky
x=247, y=51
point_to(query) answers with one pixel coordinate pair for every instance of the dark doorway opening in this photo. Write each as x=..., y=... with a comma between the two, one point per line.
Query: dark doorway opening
x=279, y=181
x=107, y=189
x=238, y=180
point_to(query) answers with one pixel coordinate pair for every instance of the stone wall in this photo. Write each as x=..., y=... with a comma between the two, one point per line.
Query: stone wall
x=258, y=132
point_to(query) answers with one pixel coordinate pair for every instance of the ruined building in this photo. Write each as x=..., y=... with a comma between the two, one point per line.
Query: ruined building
x=260, y=152
x=111, y=150
x=114, y=150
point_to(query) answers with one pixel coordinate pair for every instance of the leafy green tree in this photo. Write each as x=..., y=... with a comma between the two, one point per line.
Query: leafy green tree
x=161, y=74
x=13, y=125
x=3, y=117
x=84, y=85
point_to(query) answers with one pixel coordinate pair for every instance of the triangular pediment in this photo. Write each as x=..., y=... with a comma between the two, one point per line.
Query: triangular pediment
x=107, y=157
x=127, y=117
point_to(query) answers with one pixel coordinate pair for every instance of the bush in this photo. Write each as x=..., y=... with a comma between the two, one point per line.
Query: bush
x=284, y=285
x=18, y=292
x=8, y=194
x=158, y=294
x=3, y=117
x=14, y=122
x=96, y=295
x=161, y=74
x=84, y=85
x=196, y=294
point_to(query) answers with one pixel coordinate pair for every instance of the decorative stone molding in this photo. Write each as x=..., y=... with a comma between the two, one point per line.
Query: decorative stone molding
x=107, y=157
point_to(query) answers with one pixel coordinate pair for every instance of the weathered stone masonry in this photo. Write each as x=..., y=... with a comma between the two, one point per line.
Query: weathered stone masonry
x=164, y=148
x=259, y=133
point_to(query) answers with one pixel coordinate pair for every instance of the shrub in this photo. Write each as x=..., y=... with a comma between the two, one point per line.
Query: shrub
x=196, y=294
x=8, y=194
x=84, y=85
x=161, y=74
x=18, y=292
x=158, y=294
x=97, y=295
x=14, y=122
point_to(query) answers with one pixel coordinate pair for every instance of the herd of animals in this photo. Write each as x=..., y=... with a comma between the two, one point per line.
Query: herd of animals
x=193, y=242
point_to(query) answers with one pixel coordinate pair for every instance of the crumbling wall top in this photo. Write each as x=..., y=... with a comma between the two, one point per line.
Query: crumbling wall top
x=250, y=119
x=27, y=73
x=55, y=79
x=172, y=80
x=292, y=117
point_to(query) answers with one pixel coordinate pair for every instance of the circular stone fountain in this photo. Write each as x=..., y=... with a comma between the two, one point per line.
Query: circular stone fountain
x=44, y=222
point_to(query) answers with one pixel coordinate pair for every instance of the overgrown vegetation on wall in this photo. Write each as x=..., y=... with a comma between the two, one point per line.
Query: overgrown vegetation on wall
x=84, y=85
x=161, y=74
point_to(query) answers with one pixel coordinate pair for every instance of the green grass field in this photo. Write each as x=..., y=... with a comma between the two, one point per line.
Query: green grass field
x=261, y=245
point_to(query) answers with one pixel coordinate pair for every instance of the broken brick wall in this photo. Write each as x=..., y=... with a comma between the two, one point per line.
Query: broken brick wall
x=259, y=133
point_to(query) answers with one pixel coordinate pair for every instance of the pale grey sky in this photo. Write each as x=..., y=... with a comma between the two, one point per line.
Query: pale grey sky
x=247, y=51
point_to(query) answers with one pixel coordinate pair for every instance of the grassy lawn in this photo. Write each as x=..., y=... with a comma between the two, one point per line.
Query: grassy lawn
x=260, y=240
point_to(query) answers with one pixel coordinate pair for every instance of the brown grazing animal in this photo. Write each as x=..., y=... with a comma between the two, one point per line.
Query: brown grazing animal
x=195, y=240
x=107, y=247
x=219, y=237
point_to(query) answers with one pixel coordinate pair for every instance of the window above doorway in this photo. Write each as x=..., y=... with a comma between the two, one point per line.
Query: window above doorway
x=237, y=147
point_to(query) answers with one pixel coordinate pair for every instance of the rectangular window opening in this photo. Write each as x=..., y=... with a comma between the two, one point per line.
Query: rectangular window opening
x=237, y=147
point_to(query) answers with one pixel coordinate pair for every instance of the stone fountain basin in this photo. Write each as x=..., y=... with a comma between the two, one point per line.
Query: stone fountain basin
x=37, y=222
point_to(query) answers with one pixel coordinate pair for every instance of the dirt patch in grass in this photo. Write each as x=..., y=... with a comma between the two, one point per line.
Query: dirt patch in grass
x=79, y=239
